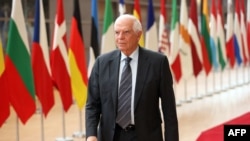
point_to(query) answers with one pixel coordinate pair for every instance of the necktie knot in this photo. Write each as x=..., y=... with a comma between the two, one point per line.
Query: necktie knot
x=127, y=60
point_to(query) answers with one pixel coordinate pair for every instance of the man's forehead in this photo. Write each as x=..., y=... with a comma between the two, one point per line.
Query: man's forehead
x=123, y=29
x=123, y=26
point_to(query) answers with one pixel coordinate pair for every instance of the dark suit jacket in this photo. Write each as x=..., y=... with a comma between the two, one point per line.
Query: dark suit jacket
x=154, y=81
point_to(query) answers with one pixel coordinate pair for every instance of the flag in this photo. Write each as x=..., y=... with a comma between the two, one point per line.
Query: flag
x=248, y=27
x=18, y=66
x=122, y=7
x=4, y=101
x=137, y=14
x=243, y=33
x=213, y=35
x=164, y=45
x=184, y=43
x=94, y=51
x=40, y=61
x=175, y=60
x=108, y=37
x=59, y=59
x=221, y=37
x=195, y=39
x=237, y=35
x=94, y=29
x=205, y=39
x=229, y=34
x=77, y=61
x=151, y=33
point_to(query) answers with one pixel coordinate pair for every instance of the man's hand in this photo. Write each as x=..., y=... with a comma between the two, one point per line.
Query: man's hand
x=92, y=138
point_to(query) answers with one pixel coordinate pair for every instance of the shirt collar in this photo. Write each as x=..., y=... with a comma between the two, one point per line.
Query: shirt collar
x=133, y=55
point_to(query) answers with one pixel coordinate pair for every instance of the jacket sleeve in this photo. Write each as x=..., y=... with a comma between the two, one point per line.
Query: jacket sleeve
x=93, y=105
x=168, y=103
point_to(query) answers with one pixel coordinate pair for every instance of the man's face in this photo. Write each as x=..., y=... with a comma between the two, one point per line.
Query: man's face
x=125, y=37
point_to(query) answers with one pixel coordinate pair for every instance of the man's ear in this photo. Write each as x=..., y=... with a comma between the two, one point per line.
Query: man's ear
x=139, y=33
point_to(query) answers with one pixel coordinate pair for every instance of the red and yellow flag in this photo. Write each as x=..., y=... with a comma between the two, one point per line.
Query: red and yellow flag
x=137, y=14
x=77, y=59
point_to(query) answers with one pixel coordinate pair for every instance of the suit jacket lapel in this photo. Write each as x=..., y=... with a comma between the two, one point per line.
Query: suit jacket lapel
x=114, y=75
x=142, y=70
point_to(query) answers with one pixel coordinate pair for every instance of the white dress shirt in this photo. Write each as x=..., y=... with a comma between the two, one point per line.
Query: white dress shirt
x=133, y=65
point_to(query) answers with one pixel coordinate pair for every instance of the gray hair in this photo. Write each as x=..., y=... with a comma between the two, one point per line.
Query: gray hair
x=137, y=27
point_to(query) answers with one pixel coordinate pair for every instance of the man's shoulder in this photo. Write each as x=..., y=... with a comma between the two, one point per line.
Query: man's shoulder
x=150, y=53
x=108, y=56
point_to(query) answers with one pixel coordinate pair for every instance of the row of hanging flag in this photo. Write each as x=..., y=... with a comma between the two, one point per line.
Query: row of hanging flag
x=199, y=38
x=26, y=74
x=205, y=42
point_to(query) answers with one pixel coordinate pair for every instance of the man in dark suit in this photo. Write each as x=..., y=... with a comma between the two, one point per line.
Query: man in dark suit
x=152, y=85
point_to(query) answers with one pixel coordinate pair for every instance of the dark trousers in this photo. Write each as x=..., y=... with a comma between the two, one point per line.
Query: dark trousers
x=123, y=135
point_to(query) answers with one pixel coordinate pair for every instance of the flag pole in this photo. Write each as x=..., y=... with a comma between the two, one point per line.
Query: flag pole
x=221, y=80
x=249, y=72
x=64, y=138
x=196, y=88
x=185, y=90
x=39, y=110
x=188, y=100
x=244, y=75
x=243, y=79
x=42, y=123
x=17, y=129
x=198, y=96
x=206, y=93
x=80, y=133
x=214, y=89
x=178, y=103
x=229, y=78
x=236, y=77
x=42, y=126
x=216, y=71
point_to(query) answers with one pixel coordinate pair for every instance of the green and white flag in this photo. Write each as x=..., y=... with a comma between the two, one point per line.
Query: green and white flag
x=108, y=37
x=18, y=66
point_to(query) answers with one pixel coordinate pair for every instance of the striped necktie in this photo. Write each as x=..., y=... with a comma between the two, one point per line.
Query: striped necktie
x=124, y=96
